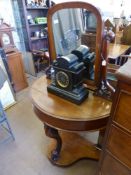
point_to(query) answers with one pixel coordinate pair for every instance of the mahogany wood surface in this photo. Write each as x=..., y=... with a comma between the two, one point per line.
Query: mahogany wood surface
x=62, y=115
x=116, y=157
x=92, y=114
x=74, y=148
x=116, y=50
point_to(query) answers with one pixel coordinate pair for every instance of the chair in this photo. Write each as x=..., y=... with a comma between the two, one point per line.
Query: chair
x=112, y=68
x=4, y=124
x=41, y=59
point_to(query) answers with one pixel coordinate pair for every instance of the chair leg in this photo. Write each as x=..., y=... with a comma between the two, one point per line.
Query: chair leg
x=10, y=130
x=5, y=124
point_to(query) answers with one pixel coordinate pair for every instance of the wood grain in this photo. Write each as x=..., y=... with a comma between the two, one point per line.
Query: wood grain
x=91, y=109
x=115, y=50
x=74, y=148
x=16, y=69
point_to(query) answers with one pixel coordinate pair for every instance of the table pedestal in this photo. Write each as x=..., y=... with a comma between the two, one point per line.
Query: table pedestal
x=69, y=147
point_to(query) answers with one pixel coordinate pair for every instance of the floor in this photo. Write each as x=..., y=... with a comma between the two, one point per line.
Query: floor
x=27, y=154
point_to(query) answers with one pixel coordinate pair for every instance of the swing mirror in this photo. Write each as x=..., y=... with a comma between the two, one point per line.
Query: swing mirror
x=76, y=27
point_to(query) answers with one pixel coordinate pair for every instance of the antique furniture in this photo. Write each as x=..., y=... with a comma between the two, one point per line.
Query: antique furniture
x=63, y=119
x=35, y=16
x=13, y=58
x=6, y=37
x=89, y=39
x=126, y=37
x=115, y=60
x=4, y=124
x=116, y=157
x=115, y=51
x=16, y=69
x=108, y=24
x=65, y=35
x=36, y=22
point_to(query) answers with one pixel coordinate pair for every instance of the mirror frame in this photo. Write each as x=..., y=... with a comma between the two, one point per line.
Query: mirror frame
x=93, y=84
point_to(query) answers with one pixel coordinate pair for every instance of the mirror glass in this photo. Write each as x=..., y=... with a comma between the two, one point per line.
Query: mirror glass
x=72, y=28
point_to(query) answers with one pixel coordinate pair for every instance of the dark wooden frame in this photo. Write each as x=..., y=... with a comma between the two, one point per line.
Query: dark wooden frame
x=99, y=34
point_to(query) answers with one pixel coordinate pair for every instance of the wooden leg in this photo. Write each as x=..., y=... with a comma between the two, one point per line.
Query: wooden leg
x=101, y=137
x=53, y=133
x=74, y=147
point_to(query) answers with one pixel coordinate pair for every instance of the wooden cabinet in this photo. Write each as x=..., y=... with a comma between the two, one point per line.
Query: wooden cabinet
x=16, y=69
x=116, y=153
x=12, y=58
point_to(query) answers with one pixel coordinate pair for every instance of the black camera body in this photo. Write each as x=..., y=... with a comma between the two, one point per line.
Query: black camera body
x=67, y=76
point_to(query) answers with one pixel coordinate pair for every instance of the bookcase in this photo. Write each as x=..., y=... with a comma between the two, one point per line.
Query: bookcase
x=35, y=17
x=36, y=25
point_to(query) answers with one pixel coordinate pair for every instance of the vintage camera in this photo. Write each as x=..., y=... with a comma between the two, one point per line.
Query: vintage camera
x=67, y=79
x=88, y=58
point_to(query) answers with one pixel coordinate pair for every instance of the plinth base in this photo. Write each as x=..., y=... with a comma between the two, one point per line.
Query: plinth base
x=74, y=148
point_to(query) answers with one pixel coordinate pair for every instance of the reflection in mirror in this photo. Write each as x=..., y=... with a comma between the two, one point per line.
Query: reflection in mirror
x=74, y=31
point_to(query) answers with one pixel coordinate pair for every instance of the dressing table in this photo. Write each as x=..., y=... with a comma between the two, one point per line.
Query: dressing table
x=62, y=119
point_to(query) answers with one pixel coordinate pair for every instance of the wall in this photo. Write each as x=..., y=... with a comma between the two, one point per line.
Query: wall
x=111, y=7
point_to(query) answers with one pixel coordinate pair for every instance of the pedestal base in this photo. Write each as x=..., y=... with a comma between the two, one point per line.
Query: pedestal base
x=74, y=148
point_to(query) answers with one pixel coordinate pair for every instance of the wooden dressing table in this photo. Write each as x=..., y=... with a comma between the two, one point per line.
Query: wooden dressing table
x=62, y=119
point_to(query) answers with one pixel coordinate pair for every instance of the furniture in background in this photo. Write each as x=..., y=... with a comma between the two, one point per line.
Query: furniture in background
x=115, y=51
x=16, y=69
x=4, y=124
x=41, y=60
x=63, y=120
x=13, y=58
x=110, y=30
x=35, y=15
x=126, y=37
x=109, y=25
x=116, y=157
x=89, y=39
x=115, y=60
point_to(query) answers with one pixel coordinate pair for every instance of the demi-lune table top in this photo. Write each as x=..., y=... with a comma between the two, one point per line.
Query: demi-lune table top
x=56, y=111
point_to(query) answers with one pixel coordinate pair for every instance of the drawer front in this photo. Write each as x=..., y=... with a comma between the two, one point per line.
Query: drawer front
x=119, y=144
x=123, y=112
x=111, y=166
